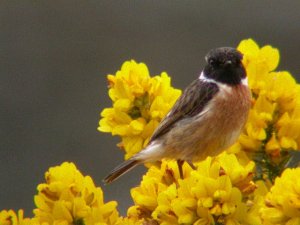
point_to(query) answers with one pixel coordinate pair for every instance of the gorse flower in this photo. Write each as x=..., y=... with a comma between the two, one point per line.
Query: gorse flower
x=131, y=221
x=282, y=203
x=139, y=104
x=274, y=122
x=9, y=217
x=210, y=194
x=68, y=197
x=153, y=187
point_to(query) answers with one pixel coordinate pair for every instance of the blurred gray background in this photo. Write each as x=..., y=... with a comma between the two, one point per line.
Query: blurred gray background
x=54, y=58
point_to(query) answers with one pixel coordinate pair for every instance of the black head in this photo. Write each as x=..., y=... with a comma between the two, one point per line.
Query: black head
x=225, y=65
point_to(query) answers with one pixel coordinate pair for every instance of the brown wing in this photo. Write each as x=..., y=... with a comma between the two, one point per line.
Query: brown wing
x=193, y=100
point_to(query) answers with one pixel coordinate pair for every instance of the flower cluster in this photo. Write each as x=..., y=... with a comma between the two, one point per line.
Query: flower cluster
x=282, y=203
x=274, y=121
x=9, y=217
x=139, y=104
x=68, y=197
x=211, y=193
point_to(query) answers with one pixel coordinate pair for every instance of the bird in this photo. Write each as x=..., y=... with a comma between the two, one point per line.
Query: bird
x=205, y=120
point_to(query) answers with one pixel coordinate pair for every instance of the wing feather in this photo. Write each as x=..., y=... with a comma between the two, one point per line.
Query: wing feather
x=191, y=103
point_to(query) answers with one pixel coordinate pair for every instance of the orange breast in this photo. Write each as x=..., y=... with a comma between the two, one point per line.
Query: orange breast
x=218, y=128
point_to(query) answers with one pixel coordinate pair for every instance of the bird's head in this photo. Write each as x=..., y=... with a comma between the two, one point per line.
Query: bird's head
x=225, y=65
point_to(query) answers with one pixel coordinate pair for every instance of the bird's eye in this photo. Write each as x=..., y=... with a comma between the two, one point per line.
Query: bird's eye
x=212, y=62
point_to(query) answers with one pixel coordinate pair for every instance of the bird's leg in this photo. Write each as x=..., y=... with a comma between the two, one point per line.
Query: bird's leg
x=191, y=165
x=180, y=163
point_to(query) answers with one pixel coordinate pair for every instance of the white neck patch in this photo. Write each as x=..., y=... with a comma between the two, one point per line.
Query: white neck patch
x=205, y=79
x=245, y=81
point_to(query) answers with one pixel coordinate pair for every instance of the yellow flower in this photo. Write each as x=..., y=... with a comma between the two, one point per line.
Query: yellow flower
x=255, y=203
x=156, y=181
x=274, y=119
x=258, y=62
x=130, y=221
x=285, y=95
x=240, y=172
x=68, y=197
x=273, y=146
x=164, y=210
x=139, y=104
x=9, y=217
x=288, y=131
x=211, y=193
x=282, y=203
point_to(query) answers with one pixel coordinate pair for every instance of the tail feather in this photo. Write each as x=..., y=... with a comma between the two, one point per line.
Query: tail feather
x=120, y=170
